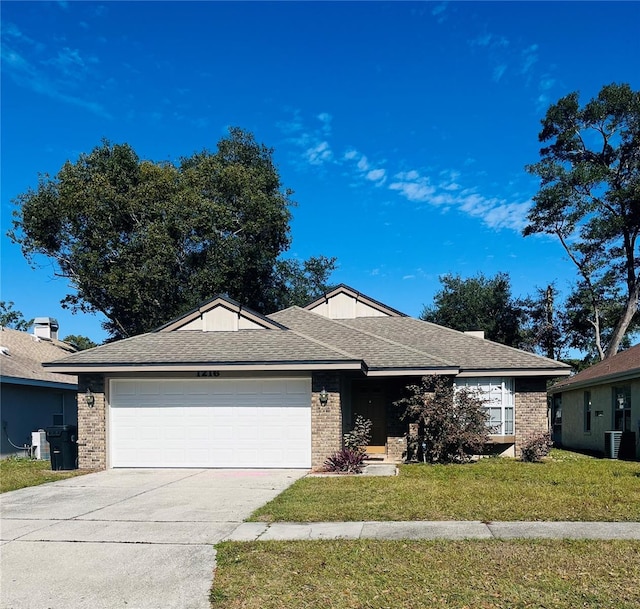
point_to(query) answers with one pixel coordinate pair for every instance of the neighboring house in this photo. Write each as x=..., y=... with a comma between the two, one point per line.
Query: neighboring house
x=602, y=399
x=31, y=397
x=223, y=386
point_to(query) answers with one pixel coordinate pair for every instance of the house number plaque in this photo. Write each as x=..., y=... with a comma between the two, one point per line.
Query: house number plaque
x=207, y=373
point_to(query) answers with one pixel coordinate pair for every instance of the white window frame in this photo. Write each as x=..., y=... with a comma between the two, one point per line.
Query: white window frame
x=498, y=393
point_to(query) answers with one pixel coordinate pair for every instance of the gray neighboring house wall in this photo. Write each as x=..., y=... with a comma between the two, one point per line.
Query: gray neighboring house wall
x=223, y=386
x=603, y=398
x=31, y=397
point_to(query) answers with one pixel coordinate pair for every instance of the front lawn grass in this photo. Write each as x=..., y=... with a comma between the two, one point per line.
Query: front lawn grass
x=493, y=574
x=566, y=487
x=18, y=473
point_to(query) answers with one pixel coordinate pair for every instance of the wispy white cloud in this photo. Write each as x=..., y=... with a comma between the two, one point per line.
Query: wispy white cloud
x=413, y=186
x=58, y=77
x=438, y=11
x=376, y=175
x=70, y=63
x=444, y=189
x=311, y=142
x=496, y=213
x=508, y=215
x=529, y=58
x=319, y=154
x=325, y=118
x=490, y=40
x=498, y=72
x=484, y=40
x=545, y=84
x=363, y=168
x=496, y=47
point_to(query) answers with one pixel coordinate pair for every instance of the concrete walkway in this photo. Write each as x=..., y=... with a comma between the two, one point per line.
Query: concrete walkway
x=252, y=531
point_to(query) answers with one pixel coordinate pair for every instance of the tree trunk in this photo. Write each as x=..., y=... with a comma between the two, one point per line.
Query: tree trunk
x=623, y=323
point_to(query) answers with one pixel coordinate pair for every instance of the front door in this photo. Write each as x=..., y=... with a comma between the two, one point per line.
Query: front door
x=370, y=403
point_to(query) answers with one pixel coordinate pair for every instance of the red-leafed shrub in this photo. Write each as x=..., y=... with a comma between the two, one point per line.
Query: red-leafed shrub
x=537, y=448
x=345, y=461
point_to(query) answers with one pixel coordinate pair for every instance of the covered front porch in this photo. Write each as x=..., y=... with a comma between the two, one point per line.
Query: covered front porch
x=373, y=399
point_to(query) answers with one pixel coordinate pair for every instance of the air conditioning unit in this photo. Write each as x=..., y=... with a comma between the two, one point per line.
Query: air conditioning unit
x=612, y=444
x=40, y=445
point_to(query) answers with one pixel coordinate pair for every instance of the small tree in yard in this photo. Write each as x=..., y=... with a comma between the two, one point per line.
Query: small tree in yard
x=452, y=422
x=360, y=436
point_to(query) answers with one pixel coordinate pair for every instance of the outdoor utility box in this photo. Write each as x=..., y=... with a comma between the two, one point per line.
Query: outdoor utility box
x=40, y=444
x=627, y=450
x=63, y=446
x=612, y=444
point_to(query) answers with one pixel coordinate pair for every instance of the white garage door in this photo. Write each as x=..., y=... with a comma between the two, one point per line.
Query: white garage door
x=210, y=423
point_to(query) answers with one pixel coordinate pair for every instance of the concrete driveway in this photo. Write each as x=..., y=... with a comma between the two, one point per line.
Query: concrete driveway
x=134, y=538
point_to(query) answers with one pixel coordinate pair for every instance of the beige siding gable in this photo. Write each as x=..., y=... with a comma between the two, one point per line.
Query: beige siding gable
x=221, y=319
x=345, y=303
x=221, y=315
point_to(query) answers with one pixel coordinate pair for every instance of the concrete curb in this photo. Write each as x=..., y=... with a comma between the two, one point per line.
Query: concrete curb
x=292, y=531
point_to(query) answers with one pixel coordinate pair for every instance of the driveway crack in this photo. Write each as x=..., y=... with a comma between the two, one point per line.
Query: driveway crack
x=140, y=494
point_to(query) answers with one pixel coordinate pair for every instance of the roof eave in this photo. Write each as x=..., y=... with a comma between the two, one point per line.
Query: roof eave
x=440, y=370
x=627, y=375
x=283, y=366
x=13, y=380
x=515, y=372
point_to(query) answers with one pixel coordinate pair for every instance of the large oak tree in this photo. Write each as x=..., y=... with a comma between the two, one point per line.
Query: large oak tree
x=589, y=199
x=143, y=242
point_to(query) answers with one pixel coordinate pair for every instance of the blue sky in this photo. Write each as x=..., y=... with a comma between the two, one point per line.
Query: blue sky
x=403, y=128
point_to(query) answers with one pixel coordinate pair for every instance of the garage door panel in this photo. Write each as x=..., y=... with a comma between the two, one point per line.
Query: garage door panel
x=210, y=423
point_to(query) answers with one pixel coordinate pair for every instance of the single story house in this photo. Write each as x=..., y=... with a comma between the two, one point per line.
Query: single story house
x=31, y=396
x=224, y=386
x=598, y=409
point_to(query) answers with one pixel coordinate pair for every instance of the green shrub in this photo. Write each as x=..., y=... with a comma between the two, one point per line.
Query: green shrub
x=360, y=436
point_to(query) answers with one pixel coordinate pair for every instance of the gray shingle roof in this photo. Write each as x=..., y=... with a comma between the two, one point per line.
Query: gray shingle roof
x=378, y=352
x=623, y=364
x=23, y=355
x=380, y=344
x=197, y=347
x=467, y=351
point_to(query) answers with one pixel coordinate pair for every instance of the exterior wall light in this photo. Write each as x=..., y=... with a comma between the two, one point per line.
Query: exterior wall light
x=324, y=397
x=89, y=398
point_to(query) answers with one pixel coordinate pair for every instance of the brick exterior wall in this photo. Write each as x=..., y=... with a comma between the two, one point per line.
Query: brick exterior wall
x=92, y=423
x=530, y=410
x=326, y=421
